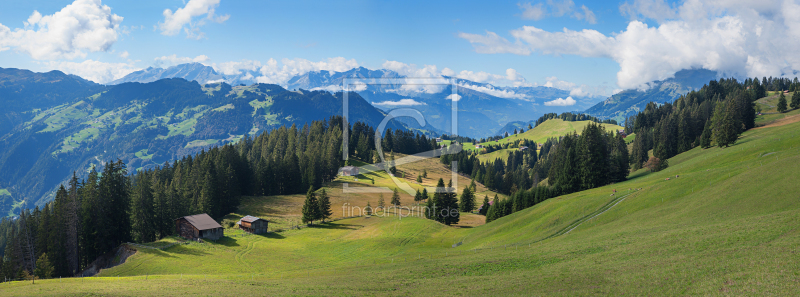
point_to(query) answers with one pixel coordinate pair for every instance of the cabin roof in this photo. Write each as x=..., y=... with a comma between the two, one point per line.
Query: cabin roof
x=250, y=219
x=201, y=221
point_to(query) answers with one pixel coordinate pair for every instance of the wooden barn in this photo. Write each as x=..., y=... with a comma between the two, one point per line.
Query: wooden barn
x=198, y=226
x=349, y=171
x=253, y=225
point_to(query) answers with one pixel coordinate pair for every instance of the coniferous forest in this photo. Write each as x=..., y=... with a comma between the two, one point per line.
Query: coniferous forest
x=90, y=217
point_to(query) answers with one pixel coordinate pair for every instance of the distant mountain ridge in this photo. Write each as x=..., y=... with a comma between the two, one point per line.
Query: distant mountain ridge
x=629, y=102
x=57, y=124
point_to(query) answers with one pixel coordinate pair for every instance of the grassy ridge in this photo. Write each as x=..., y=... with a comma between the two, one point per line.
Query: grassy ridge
x=727, y=225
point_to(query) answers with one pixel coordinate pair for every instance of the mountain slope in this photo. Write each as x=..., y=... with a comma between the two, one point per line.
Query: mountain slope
x=143, y=124
x=629, y=102
x=727, y=225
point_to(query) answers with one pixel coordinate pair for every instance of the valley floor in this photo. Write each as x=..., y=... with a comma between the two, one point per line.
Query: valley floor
x=727, y=222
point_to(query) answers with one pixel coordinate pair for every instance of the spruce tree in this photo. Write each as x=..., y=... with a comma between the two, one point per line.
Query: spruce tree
x=324, y=206
x=705, y=138
x=419, y=179
x=796, y=100
x=418, y=196
x=494, y=211
x=484, y=206
x=395, y=198
x=467, y=203
x=310, y=207
x=44, y=269
x=782, y=103
x=424, y=173
x=381, y=202
x=424, y=194
x=449, y=213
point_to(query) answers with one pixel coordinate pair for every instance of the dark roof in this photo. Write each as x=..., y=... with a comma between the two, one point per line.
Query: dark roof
x=201, y=221
x=250, y=219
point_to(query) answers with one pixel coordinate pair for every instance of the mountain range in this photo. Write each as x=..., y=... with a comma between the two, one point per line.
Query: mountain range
x=56, y=124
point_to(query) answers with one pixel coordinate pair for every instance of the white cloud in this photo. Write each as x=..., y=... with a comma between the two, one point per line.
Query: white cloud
x=556, y=8
x=585, y=14
x=561, y=102
x=124, y=55
x=454, y=97
x=274, y=72
x=532, y=12
x=731, y=37
x=99, y=72
x=648, y=9
x=81, y=27
x=175, y=60
x=402, y=102
x=182, y=18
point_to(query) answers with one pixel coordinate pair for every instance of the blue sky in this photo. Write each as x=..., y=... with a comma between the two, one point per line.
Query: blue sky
x=598, y=46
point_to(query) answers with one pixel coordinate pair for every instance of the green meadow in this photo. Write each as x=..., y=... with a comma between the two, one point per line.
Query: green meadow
x=716, y=222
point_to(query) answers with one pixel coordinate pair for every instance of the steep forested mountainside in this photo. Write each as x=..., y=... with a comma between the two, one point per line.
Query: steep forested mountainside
x=632, y=101
x=59, y=124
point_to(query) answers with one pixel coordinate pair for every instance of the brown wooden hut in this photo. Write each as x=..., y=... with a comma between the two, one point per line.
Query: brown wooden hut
x=253, y=224
x=198, y=226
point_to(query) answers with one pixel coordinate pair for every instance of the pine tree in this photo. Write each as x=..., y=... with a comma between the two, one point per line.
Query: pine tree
x=705, y=138
x=368, y=210
x=796, y=100
x=419, y=179
x=44, y=269
x=484, y=206
x=310, y=207
x=395, y=198
x=381, y=202
x=418, y=196
x=424, y=173
x=467, y=202
x=324, y=206
x=494, y=211
x=473, y=186
x=782, y=103
x=450, y=214
x=424, y=194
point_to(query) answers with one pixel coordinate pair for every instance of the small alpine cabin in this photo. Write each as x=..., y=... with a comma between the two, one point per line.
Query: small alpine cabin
x=198, y=226
x=253, y=224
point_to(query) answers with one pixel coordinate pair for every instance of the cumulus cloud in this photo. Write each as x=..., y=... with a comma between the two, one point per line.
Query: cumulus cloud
x=96, y=71
x=454, y=97
x=556, y=8
x=274, y=72
x=186, y=18
x=561, y=102
x=401, y=102
x=124, y=55
x=731, y=37
x=175, y=60
x=81, y=27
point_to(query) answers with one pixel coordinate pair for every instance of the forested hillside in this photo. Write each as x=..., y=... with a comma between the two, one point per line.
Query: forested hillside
x=57, y=124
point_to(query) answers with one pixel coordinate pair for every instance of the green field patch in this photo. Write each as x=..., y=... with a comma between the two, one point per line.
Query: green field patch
x=4, y=192
x=62, y=117
x=203, y=142
x=142, y=154
x=256, y=104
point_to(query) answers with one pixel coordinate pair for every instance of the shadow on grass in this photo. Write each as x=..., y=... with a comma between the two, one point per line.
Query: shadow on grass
x=336, y=226
x=227, y=241
x=638, y=174
x=273, y=235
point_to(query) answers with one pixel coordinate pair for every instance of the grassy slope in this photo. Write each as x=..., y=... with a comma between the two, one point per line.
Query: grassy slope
x=539, y=134
x=727, y=225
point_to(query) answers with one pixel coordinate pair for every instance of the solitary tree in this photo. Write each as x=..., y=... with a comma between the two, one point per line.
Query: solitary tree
x=324, y=206
x=424, y=194
x=424, y=173
x=419, y=179
x=796, y=99
x=782, y=103
x=381, y=202
x=418, y=196
x=310, y=207
x=395, y=198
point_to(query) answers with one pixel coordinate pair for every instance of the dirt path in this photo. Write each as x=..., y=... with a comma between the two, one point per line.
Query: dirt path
x=781, y=122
